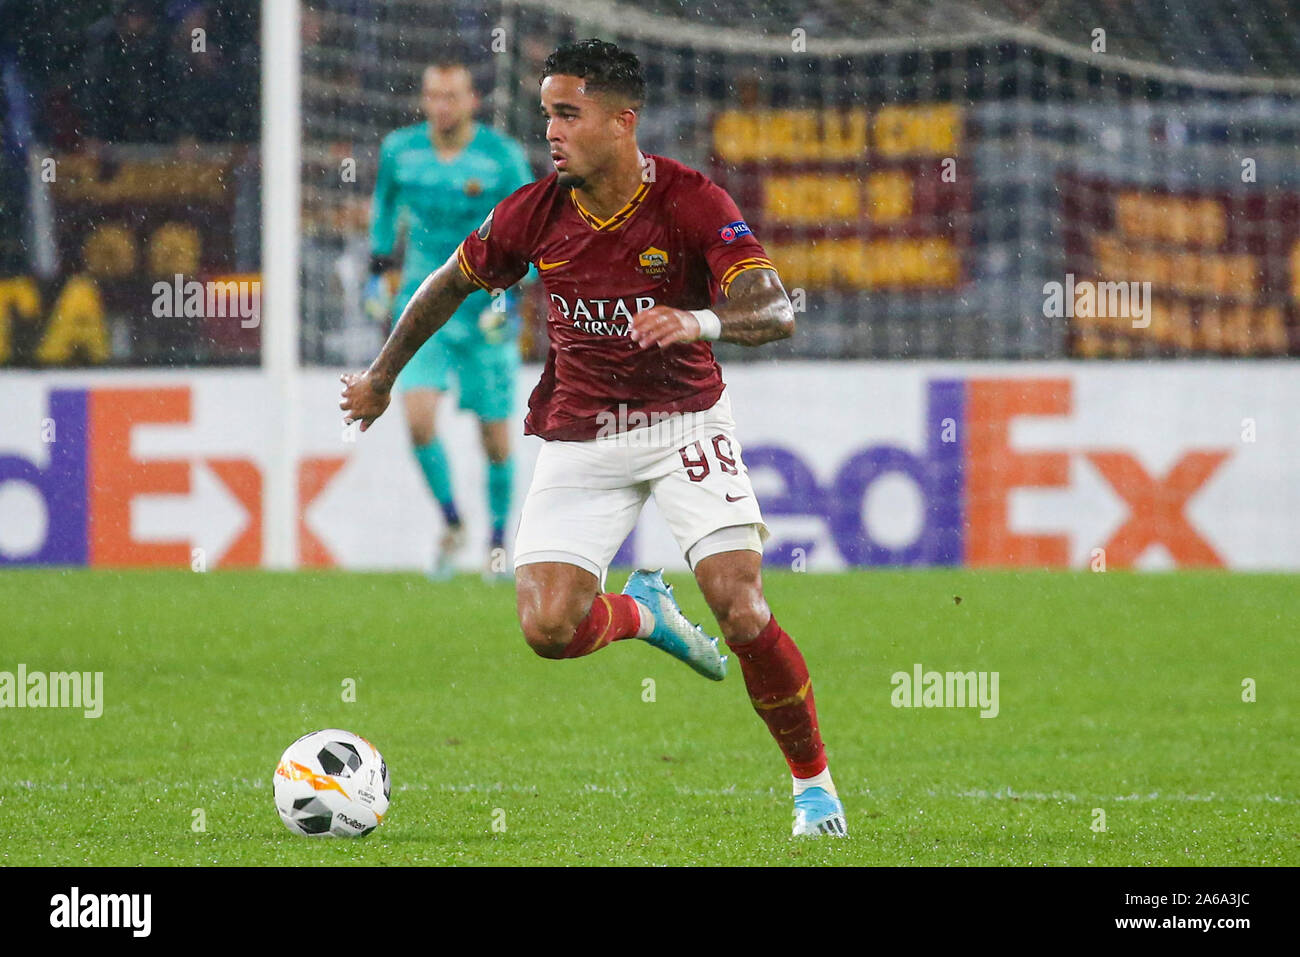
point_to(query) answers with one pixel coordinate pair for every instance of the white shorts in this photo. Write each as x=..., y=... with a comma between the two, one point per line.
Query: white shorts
x=586, y=496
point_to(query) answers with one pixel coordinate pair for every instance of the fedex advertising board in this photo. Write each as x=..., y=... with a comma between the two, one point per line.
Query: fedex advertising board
x=855, y=464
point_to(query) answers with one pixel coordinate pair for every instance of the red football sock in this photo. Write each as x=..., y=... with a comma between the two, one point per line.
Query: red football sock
x=781, y=692
x=611, y=617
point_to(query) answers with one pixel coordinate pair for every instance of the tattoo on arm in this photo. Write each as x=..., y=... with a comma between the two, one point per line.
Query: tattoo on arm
x=438, y=297
x=757, y=309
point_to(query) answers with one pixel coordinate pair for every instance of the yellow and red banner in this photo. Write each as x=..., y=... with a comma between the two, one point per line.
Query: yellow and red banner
x=1224, y=267
x=854, y=199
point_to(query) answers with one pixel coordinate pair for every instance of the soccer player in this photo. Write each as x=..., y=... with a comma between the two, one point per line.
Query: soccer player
x=632, y=250
x=443, y=176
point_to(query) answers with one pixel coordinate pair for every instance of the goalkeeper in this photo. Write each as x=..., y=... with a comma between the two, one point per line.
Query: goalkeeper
x=442, y=178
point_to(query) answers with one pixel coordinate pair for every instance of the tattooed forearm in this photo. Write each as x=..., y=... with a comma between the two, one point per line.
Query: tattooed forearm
x=757, y=309
x=438, y=297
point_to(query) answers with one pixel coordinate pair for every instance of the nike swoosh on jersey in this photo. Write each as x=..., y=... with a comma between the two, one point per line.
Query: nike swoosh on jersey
x=736, y=498
x=543, y=265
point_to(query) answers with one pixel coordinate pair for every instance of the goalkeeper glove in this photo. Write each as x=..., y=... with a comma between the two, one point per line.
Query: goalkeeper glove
x=377, y=297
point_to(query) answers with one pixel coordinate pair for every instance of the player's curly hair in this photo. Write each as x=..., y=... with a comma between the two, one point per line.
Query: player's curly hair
x=603, y=65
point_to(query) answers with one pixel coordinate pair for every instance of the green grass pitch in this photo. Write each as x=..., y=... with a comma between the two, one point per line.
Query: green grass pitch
x=1117, y=691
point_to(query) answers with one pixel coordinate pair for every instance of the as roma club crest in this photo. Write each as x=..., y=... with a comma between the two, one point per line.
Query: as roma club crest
x=653, y=261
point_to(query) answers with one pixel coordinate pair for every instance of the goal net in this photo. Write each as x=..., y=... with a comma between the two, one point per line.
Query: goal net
x=933, y=180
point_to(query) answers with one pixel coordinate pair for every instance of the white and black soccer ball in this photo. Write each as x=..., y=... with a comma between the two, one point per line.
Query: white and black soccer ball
x=332, y=783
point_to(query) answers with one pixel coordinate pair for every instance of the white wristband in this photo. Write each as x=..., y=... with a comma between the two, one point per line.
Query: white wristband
x=710, y=324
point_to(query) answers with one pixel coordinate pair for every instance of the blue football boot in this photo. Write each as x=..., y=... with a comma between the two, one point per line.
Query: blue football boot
x=672, y=632
x=818, y=812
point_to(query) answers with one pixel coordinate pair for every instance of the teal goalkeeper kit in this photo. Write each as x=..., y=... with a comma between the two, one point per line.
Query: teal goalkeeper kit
x=441, y=203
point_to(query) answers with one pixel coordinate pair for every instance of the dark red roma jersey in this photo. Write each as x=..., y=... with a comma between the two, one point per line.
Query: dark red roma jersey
x=677, y=242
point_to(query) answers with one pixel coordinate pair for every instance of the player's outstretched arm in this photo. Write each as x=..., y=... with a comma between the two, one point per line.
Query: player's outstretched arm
x=757, y=310
x=366, y=396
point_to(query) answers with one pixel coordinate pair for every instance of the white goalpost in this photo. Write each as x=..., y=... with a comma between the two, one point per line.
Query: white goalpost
x=281, y=235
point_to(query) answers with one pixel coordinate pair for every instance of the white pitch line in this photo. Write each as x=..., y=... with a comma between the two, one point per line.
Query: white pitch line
x=733, y=791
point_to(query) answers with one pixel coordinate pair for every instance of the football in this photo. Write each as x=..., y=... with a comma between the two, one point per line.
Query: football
x=332, y=783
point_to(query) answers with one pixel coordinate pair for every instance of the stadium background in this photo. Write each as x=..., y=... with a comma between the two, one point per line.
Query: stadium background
x=919, y=172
